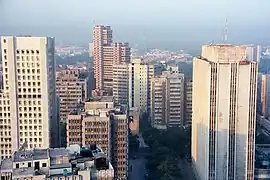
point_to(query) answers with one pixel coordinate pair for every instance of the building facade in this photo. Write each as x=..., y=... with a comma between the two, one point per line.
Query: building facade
x=188, y=100
x=167, y=100
x=120, y=83
x=99, y=121
x=106, y=54
x=224, y=113
x=28, y=100
x=265, y=95
x=140, y=75
x=71, y=90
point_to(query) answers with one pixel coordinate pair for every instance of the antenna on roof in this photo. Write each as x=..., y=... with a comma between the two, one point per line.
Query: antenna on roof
x=225, y=32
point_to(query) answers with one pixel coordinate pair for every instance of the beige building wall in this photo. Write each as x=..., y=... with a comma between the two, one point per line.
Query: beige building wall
x=29, y=98
x=224, y=113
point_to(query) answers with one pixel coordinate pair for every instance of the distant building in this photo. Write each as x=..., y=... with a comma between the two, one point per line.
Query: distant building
x=71, y=89
x=140, y=75
x=28, y=100
x=106, y=54
x=101, y=122
x=121, y=83
x=188, y=100
x=167, y=100
x=265, y=95
x=73, y=162
x=254, y=53
x=224, y=113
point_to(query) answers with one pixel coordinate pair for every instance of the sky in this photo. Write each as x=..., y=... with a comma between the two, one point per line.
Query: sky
x=167, y=24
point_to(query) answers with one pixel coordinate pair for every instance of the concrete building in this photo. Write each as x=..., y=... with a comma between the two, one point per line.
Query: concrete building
x=254, y=53
x=140, y=75
x=262, y=164
x=71, y=89
x=69, y=163
x=121, y=83
x=224, y=113
x=167, y=100
x=106, y=54
x=188, y=100
x=265, y=95
x=100, y=121
x=28, y=110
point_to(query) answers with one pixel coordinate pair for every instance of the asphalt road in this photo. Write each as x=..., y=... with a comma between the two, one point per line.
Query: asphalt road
x=138, y=168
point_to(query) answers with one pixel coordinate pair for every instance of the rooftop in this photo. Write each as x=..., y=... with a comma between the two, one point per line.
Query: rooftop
x=101, y=99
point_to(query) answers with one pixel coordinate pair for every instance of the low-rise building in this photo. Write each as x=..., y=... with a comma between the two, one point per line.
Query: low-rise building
x=70, y=163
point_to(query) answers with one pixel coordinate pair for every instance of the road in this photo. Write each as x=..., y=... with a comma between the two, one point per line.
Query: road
x=138, y=168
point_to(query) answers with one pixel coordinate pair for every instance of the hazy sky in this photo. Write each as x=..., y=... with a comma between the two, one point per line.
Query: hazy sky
x=153, y=23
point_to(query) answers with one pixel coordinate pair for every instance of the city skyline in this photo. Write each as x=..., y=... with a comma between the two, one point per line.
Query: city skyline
x=160, y=25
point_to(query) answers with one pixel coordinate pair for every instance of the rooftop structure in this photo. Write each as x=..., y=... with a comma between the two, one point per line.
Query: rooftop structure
x=72, y=162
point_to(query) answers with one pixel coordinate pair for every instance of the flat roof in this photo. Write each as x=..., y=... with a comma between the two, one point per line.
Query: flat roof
x=101, y=99
x=6, y=165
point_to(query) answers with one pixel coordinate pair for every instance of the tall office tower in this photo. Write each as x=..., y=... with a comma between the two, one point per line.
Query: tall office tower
x=71, y=88
x=140, y=75
x=99, y=121
x=224, y=113
x=188, y=100
x=120, y=83
x=167, y=100
x=28, y=100
x=265, y=95
x=105, y=55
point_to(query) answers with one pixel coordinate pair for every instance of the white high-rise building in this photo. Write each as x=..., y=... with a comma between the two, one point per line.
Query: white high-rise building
x=224, y=113
x=140, y=75
x=28, y=111
x=167, y=100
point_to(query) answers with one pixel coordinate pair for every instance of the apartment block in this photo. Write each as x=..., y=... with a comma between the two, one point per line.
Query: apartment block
x=71, y=163
x=106, y=54
x=224, y=113
x=167, y=100
x=140, y=75
x=188, y=100
x=101, y=122
x=71, y=88
x=28, y=110
x=120, y=83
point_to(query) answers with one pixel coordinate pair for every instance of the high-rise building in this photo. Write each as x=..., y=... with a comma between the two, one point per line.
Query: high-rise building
x=101, y=122
x=188, y=100
x=254, y=53
x=73, y=162
x=120, y=83
x=224, y=113
x=71, y=89
x=106, y=54
x=140, y=75
x=265, y=95
x=167, y=100
x=28, y=100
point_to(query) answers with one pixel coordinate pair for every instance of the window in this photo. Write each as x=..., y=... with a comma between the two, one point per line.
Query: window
x=17, y=165
x=29, y=164
x=44, y=165
x=4, y=40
